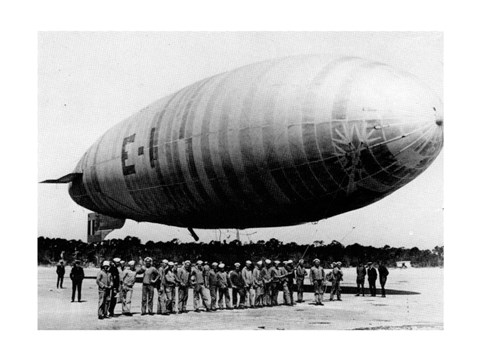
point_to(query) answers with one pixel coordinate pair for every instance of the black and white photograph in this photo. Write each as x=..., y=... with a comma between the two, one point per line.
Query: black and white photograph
x=240, y=180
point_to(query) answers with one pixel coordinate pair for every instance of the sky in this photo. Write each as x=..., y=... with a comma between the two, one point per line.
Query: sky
x=88, y=82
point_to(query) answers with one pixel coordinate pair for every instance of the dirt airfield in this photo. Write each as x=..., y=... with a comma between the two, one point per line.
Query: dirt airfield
x=395, y=312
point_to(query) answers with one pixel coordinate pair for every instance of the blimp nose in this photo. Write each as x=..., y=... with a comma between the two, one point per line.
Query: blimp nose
x=416, y=135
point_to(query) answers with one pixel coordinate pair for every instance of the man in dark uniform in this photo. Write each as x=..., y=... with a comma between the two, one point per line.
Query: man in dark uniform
x=383, y=273
x=372, y=278
x=300, y=273
x=286, y=282
x=77, y=275
x=238, y=287
x=212, y=285
x=361, y=273
x=223, y=283
x=115, y=289
x=60, y=274
x=104, y=283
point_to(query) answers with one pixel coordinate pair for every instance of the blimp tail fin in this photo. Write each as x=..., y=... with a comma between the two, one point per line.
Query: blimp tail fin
x=62, y=180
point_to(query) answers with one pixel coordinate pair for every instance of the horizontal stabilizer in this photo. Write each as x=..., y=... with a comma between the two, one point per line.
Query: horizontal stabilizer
x=63, y=180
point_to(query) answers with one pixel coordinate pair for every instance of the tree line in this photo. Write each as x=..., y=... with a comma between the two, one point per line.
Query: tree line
x=50, y=251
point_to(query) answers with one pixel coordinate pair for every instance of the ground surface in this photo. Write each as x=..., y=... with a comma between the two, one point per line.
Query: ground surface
x=422, y=311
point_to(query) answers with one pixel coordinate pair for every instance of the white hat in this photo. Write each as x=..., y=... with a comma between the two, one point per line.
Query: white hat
x=268, y=261
x=116, y=260
x=165, y=261
x=259, y=262
x=277, y=261
x=187, y=262
x=339, y=263
x=122, y=261
x=131, y=263
x=148, y=259
x=237, y=264
x=248, y=262
x=106, y=263
x=214, y=264
x=199, y=262
x=290, y=262
x=316, y=260
x=221, y=266
x=170, y=263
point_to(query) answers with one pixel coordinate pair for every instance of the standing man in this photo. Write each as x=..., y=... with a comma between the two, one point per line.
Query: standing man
x=161, y=285
x=238, y=287
x=258, y=284
x=199, y=289
x=290, y=275
x=104, y=283
x=275, y=275
x=267, y=283
x=247, y=277
x=77, y=275
x=283, y=282
x=115, y=271
x=175, y=289
x=317, y=279
x=372, y=278
x=361, y=273
x=223, y=283
x=206, y=268
x=212, y=285
x=337, y=278
x=150, y=277
x=383, y=273
x=60, y=274
x=127, y=280
x=300, y=273
x=169, y=283
x=183, y=277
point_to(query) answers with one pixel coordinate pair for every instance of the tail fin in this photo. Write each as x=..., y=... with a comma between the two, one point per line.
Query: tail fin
x=63, y=180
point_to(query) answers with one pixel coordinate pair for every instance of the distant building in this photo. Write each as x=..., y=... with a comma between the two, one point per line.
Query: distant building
x=404, y=264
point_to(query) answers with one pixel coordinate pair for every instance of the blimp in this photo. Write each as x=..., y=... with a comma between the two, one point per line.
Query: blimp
x=276, y=143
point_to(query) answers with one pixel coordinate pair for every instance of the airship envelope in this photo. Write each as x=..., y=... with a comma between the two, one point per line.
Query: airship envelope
x=275, y=143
